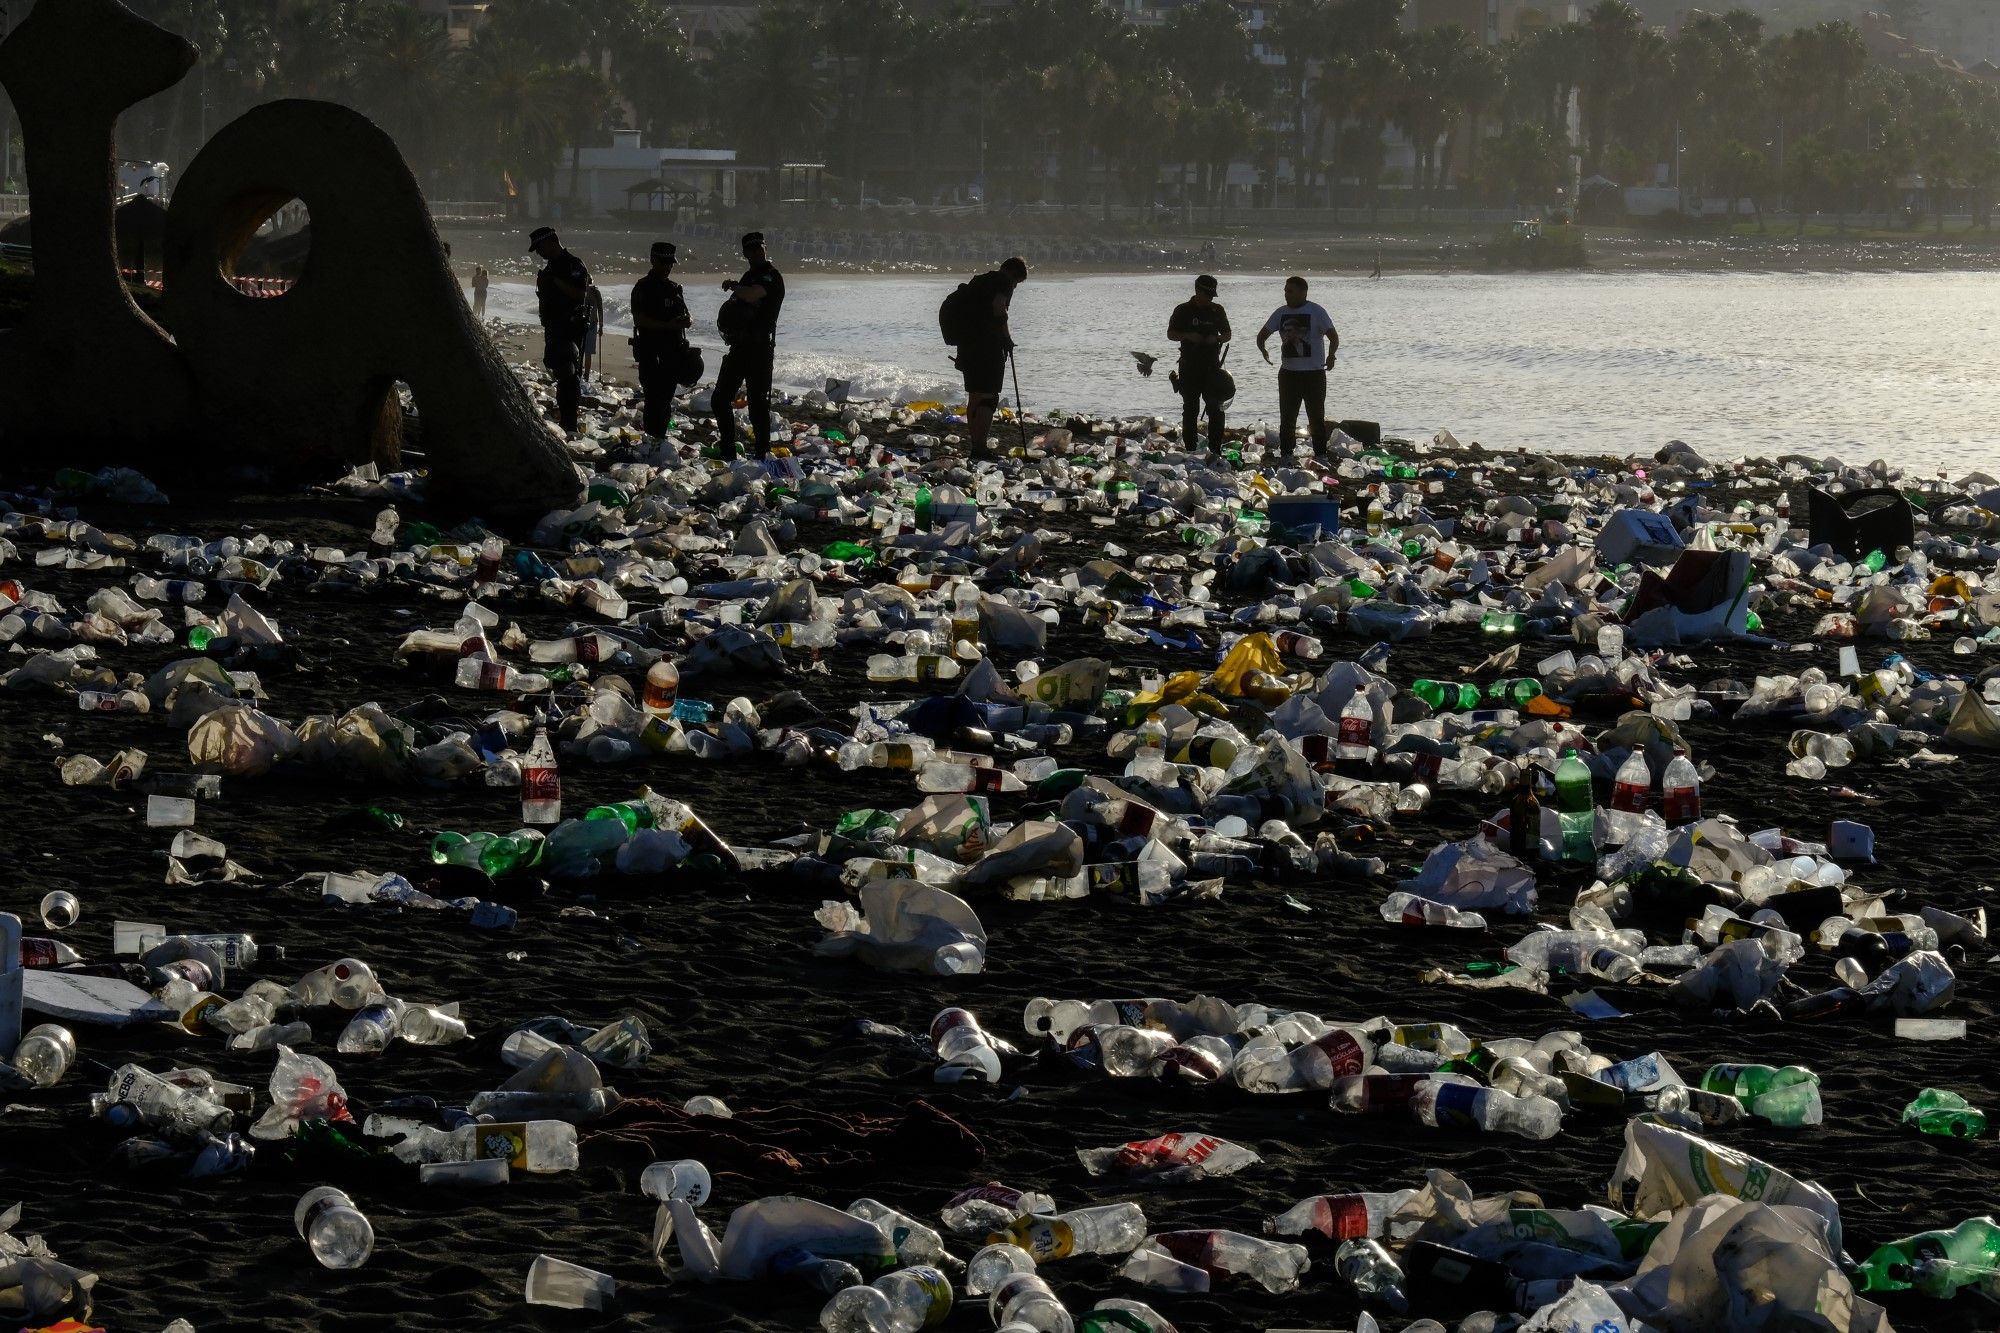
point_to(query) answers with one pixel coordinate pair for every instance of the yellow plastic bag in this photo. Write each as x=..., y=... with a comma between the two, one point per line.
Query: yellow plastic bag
x=1254, y=652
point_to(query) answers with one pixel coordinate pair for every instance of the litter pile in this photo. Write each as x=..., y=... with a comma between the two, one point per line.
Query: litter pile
x=1324, y=821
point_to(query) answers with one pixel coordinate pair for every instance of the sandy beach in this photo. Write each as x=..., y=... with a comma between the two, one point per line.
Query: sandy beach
x=722, y=971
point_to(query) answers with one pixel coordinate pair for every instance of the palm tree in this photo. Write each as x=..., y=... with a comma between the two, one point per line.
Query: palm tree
x=513, y=111
x=400, y=78
x=1423, y=105
x=772, y=93
x=862, y=36
x=1299, y=30
x=655, y=72
x=1614, y=28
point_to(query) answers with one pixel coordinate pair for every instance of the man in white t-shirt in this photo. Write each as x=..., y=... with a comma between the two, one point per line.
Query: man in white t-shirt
x=1303, y=328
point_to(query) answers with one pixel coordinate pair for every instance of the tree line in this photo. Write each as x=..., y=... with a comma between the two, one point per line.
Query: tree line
x=1068, y=101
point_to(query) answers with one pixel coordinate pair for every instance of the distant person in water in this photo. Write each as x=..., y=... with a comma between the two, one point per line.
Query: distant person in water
x=479, y=284
x=562, y=299
x=1303, y=328
x=1201, y=326
x=748, y=323
x=975, y=320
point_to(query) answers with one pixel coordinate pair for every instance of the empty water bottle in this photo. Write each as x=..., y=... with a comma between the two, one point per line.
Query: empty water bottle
x=336, y=1231
x=1373, y=1273
x=45, y=1054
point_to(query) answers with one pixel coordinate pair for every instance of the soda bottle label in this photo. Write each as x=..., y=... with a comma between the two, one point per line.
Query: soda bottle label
x=1344, y=1056
x=541, y=784
x=1047, y=1238
x=1341, y=1216
x=492, y=675
x=1355, y=731
x=927, y=667
x=39, y=953
x=1456, y=1106
x=587, y=649
x=937, y=1287
x=507, y=1142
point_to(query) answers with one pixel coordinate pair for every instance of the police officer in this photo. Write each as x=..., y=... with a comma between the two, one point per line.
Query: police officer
x=660, y=322
x=562, y=297
x=749, y=324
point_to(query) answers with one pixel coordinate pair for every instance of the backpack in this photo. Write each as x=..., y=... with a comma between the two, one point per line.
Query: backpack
x=734, y=320
x=958, y=316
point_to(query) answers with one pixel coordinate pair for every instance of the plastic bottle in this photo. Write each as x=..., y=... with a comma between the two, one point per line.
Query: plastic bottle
x=899, y=1302
x=1524, y=821
x=372, y=1029
x=1114, y=1228
x=1340, y=1216
x=1787, y=1097
x=1452, y=1105
x=538, y=1146
x=662, y=688
x=591, y=647
x=915, y=1243
x=479, y=673
x=541, y=785
x=1357, y=729
x=336, y=1231
x=1373, y=1273
x=1576, y=807
x=1932, y=1111
x=1632, y=789
x=1680, y=790
x=1936, y=1263
x=948, y=777
x=1410, y=910
x=347, y=983
x=45, y=1054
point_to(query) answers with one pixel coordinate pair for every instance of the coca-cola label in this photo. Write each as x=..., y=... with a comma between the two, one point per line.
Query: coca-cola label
x=1682, y=805
x=1355, y=731
x=541, y=784
x=39, y=953
x=1426, y=769
x=1169, y=1150
x=1344, y=1055
x=492, y=675
x=586, y=648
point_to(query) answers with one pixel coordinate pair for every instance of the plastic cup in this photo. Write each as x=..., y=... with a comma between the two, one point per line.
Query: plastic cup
x=568, y=1286
x=684, y=1179
x=60, y=909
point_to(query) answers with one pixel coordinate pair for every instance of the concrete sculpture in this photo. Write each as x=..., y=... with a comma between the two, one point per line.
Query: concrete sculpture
x=290, y=387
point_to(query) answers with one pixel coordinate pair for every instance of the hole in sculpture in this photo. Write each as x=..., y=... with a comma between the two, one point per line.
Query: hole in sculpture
x=266, y=241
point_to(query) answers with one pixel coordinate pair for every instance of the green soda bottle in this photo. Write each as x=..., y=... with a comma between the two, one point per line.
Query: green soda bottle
x=515, y=851
x=199, y=637
x=1787, y=1097
x=1576, y=808
x=634, y=815
x=1937, y=1263
x=923, y=508
x=1517, y=691
x=1575, y=795
x=1435, y=692
x=1060, y=783
x=1503, y=622
x=1936, y=1111
x=1873, y=562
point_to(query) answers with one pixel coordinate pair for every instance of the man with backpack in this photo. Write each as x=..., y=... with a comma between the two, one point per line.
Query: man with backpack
x=974, y=320
x=748, y=323
x=1201, y=326
x=660, y=348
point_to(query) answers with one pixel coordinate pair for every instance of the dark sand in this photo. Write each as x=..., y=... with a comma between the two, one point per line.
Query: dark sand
x=738, y=1007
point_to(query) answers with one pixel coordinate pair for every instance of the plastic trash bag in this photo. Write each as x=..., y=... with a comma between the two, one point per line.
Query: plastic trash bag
x=1664, y=1169
x=1912, y=986
x=1253, y=652
x=1584, y=1308
x=905, y=925
x=1009, y=628
x=1041, y=846
x=734, y=649
x=1728, y=1263
x=303, y=1087
x=952, y=826
x=1735, y=976
x=1171, y=1159
x=240, y=741
x=1473, y=874
x=363, y=744
x=41, y=1291
x=765, y=1228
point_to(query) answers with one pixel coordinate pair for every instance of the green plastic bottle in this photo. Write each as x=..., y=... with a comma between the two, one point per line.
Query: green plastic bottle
x=1503, y=622
x=1937, y=1263
x=1576, y=808
x=1787, y=1097
x=199, y=637
x=1874, y=561
x=1517, y=691
x=1936, y=1111
x=634, y=815
x=1435, y=692
x=923, y=508
x=1575, y=794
